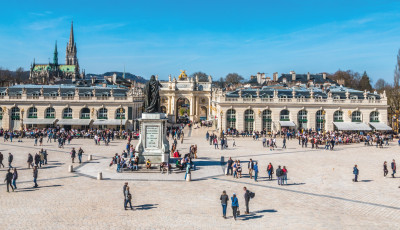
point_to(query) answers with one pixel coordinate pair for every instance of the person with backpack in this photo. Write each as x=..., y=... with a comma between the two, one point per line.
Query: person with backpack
x=279, y=175
x=247, y=196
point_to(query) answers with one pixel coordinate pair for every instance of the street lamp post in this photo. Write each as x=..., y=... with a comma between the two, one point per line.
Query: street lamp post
x=22, y=119
x=221, y=114
x=120, y=116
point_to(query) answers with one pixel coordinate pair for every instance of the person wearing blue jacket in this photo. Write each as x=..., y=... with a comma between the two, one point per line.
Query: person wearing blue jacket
x=235, y=205
x=355, y=172
x=255, y=168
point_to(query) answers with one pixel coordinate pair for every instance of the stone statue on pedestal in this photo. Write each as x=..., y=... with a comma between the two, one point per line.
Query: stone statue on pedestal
x=152, y=96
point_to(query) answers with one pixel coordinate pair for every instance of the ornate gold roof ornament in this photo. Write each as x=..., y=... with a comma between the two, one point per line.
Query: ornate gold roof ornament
x=183, y=75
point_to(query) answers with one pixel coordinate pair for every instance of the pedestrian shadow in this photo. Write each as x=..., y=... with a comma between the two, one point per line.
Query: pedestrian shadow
x=145, y=206
x=366, y=180
x=293, y=184
x=250, y=216
x=266, y=210
x=31, y=189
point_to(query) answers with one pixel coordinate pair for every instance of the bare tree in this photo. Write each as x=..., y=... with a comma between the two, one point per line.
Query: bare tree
x=381, y=85
x=233, y=78
x=201, y=75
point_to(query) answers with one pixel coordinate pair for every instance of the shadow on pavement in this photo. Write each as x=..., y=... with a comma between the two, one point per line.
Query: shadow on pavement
x=145, y=206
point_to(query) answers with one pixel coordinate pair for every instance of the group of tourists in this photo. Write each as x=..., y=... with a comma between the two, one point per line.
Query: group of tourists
x=248, y=195
x=234, y=168
x=12, y=172
x=392, y=166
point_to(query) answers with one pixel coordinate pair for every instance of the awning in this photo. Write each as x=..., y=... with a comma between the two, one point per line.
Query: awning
x=109, y=122
x=380, y=126
x=352, y=126
x=35, y=121
x=287, y=123
x=74, y=121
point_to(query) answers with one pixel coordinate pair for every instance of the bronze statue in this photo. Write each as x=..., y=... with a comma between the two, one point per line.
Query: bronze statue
x=152, y=96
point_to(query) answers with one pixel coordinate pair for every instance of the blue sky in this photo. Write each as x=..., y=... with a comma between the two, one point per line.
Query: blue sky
x=216, y=37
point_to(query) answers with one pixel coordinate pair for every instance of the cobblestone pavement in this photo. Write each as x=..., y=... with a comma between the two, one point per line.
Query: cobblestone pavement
x=320, y=193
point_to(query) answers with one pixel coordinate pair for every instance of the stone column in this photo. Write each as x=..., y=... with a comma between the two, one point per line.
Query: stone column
x=209, y=108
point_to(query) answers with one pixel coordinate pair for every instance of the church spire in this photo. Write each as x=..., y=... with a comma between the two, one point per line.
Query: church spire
x=71, y=35
x=55, y=57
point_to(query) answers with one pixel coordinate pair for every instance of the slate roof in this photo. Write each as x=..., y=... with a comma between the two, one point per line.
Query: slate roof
x=268, y=91
x=65, y=90
x=316, y=78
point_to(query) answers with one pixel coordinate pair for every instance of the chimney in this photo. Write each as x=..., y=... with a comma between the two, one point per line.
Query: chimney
x=275, y=76
x=308, y=76
x=324, y=76
x=293, y=76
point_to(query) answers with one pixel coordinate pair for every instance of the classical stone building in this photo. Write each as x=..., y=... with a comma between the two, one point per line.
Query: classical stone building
x=186, y=98
x=274, y=108
x=52, y=73
x=68, y=106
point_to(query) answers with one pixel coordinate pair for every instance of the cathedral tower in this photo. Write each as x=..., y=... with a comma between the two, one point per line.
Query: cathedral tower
x=70, y=57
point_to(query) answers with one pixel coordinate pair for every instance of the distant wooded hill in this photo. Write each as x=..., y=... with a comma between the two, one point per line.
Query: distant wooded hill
x=119, y=74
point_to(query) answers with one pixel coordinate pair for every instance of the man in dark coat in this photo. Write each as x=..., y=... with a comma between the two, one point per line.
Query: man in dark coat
x=246, y=199
x=8, y=180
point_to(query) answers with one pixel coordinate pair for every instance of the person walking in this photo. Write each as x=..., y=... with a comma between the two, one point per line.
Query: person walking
x=235, y=205
x=73, y=154
x=128, y=198
x=35, y=176
x=1, y=159
x=284, y=143
x=279, y=175
x=230, y=163
x=224, y=202
x=10, y=160
x=235, y=174
x=246, y=199
x=393, y=165
x=270, y=171
x=385, y=169
x=284, y=176
x=14, y=178
x=255, y=169
x=250, y=166
x=80, y=153
x=8, y=180
x=356, y=171
x=187, y=168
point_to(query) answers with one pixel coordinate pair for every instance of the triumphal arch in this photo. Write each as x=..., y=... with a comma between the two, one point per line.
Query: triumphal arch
x=186, y=98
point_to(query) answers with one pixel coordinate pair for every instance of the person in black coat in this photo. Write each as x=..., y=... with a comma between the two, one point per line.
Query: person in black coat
x=1, y=159
x=246, y=199
x=30, y=160
x=8, y=180
x=10, y=159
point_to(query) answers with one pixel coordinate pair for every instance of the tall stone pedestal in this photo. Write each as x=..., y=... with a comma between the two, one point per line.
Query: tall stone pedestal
x=153, y=143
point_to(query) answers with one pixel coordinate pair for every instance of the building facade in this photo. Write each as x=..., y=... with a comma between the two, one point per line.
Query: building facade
x=301, y=108
x=69, y=107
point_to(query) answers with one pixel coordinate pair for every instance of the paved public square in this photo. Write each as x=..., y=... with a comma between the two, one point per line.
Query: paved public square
x=320, y=193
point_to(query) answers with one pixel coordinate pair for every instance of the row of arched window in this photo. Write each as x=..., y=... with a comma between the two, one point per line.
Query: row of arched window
x=302, y=118
x=66, y=114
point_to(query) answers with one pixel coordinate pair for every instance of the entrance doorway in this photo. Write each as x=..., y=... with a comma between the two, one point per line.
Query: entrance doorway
x=182, y=110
